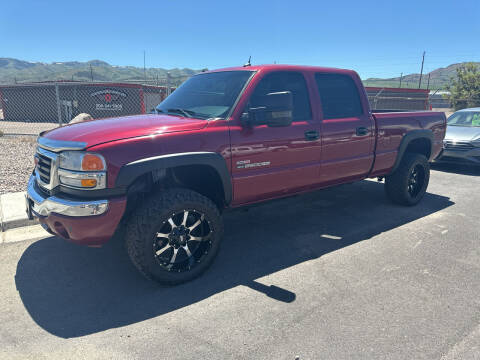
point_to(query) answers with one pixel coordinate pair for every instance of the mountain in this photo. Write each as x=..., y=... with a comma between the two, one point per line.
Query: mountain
x=439, y=78
x=14, y=70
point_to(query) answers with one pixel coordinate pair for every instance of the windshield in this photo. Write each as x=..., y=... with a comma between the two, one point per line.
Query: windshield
x=465, y=118
x=205, y=96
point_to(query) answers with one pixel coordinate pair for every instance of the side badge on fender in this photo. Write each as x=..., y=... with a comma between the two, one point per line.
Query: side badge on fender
x=245, y=164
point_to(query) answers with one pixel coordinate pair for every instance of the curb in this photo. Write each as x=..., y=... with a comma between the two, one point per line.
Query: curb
x=12, y=211
x=24, y=233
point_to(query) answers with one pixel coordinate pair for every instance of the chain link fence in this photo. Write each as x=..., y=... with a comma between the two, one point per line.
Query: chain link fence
x=397, y=99
x=28, y=109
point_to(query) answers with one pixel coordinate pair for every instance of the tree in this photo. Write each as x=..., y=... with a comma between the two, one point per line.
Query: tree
x=465, y=88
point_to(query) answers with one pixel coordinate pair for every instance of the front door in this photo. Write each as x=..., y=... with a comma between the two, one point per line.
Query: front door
x=273, y=161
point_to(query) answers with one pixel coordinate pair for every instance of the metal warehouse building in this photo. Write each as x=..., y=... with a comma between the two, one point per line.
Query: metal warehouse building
x=59, y=102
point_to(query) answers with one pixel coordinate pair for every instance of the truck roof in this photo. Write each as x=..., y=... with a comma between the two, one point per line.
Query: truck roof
x=284, y=67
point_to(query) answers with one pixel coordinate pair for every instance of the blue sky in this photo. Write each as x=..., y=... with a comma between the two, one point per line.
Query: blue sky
x=376, y=38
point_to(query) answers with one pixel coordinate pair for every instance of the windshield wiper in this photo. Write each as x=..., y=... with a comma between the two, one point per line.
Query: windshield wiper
x=186, y=113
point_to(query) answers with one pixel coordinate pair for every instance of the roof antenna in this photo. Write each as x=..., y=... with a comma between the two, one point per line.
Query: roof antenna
x=248, y=63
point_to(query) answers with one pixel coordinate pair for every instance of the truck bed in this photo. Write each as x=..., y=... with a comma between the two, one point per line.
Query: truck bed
x=392, y=127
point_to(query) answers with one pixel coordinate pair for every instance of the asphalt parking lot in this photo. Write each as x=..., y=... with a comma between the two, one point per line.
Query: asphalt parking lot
x=337, y=274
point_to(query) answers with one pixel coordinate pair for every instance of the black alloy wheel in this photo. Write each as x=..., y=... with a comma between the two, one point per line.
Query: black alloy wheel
x=183, y=241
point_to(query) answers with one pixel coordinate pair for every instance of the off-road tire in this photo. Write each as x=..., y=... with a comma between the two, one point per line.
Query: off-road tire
x=143, y=225
x=397, y=184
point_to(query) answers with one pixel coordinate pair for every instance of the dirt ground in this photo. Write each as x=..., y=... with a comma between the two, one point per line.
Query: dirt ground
x=25, y=128
x=16, y=162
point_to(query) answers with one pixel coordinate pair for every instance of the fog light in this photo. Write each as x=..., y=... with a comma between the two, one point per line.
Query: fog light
x=60, y=230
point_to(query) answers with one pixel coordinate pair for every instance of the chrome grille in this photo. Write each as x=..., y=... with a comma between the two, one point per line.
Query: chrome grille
x=44, y=168
x=457, y=145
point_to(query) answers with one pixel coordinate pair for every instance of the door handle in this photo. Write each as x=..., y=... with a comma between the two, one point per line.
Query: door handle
x=311, y=135
x=361, y=131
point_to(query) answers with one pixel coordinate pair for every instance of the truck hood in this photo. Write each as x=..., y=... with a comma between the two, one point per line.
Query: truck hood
x=462, y=133
x=95, y=132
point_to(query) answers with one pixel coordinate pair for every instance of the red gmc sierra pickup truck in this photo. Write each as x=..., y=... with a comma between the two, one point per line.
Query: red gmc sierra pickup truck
x=223, y=139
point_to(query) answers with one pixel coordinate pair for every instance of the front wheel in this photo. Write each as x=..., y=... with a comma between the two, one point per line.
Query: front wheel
x=174, y=236
x=408, y=184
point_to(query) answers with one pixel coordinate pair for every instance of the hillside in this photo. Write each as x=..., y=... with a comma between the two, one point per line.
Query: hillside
x=12, y=70
x=439, y=78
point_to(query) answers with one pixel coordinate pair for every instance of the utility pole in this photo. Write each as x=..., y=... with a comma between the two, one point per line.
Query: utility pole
x=401, y=76
x=144, y=69
x=428, y=82
x=421, y=71
x=91, y=72
x=168, y=83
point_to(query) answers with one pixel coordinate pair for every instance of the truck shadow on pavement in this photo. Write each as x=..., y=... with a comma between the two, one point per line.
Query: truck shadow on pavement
x=72, y=291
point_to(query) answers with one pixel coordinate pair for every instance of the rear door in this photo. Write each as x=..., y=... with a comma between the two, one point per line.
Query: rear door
x=272, y=161
x=347, y=129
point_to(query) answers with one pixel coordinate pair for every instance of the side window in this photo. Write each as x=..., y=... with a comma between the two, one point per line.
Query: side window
x=339, y=96
x=285, y=81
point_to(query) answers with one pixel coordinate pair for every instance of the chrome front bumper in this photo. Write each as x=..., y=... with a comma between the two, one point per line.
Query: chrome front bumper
x=41, y=206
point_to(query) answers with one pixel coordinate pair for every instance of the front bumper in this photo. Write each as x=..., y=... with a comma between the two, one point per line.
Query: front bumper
x=86, y=222
x=460, y=157
x=44, y=206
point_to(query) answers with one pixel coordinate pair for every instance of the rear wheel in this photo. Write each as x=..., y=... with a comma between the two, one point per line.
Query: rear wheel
x=408, y=184
x=174, y=236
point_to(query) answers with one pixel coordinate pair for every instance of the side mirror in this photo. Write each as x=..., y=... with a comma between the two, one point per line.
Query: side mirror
x=276, y=110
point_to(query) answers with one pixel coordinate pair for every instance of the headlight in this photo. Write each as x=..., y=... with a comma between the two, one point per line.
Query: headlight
x=82, y=170
x=81, y=161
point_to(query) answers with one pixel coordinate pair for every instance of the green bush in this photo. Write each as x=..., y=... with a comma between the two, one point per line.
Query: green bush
x=465, y=88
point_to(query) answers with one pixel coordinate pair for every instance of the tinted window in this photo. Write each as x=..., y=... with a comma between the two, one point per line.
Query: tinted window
x=285, y=81
x=339, y=96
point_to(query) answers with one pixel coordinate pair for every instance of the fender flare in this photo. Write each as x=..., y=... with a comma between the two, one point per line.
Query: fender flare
x=130, y=172
x=407, y=139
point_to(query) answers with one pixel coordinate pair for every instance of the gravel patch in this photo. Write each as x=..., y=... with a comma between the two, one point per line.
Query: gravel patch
x=25, y=128
x=16, y=162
